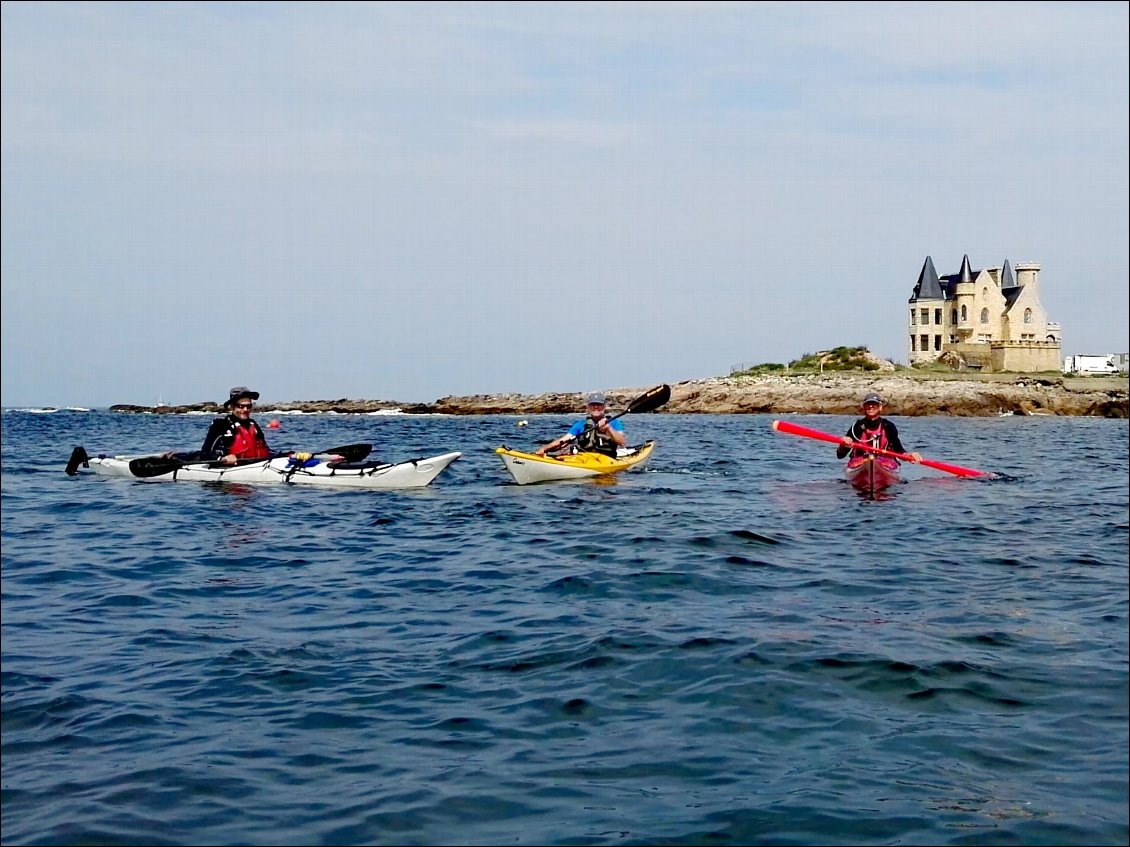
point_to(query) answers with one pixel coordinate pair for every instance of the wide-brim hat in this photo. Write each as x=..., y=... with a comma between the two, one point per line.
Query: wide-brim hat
x=238, y=393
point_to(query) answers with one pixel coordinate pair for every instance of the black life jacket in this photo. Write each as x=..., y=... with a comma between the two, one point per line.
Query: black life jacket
x=592, y=440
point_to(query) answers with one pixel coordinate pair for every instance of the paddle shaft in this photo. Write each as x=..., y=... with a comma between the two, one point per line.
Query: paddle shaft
x=797, y=429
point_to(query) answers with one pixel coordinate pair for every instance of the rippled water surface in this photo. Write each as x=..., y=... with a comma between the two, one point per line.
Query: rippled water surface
x=728, y=647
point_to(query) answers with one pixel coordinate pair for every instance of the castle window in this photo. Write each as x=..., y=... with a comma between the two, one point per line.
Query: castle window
x=913, y=317
x=1027, y=316
x=984, y=316
x=912, y=346
x=924, y=343
x=964, y=316
x=938, y=317
x=937, y=342
x=953, y=316
x=925, y=317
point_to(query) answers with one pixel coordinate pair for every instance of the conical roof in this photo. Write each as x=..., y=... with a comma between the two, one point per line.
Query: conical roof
x=1007, y=278
x=928, y=287
x=965, y=274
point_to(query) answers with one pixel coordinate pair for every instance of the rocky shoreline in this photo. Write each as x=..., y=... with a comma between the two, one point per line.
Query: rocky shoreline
x=838, y=394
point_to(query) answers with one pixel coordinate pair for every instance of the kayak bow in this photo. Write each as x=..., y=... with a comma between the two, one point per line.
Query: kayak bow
x=872, y=473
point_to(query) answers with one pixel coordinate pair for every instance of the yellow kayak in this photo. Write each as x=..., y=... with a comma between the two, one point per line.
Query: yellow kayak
x=527, y=468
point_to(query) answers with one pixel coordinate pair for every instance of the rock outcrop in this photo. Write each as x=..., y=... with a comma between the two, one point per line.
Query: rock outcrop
x=837, y=393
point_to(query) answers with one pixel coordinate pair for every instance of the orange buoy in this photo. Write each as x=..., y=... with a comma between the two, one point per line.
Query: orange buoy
x=274, y=424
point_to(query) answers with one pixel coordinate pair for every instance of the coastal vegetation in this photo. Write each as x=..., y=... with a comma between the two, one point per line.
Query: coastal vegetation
x=842, y=359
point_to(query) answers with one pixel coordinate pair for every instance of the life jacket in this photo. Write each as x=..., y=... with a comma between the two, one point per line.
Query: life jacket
x=248, y=442
x=592, y=440
x=876, y=437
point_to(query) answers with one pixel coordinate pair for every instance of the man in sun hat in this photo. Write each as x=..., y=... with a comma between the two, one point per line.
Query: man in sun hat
x=593, y=434
x=875, y=430
x=236, y=436
x=240, y=392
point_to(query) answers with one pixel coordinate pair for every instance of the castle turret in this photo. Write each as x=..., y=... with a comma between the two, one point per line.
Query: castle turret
x=926, y=310
x=1028, y=275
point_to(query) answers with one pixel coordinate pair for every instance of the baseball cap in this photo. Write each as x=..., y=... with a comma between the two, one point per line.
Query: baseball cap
x=872, y=398
x=595, y=397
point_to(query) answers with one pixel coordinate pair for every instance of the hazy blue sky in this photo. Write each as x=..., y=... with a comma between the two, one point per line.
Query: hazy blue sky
x=403, y=201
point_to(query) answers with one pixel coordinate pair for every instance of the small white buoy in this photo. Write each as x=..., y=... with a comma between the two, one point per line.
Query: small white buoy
x=522, y=423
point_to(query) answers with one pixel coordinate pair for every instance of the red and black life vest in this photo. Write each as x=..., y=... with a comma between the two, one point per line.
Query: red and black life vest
x=248, y=442
x=876, y=437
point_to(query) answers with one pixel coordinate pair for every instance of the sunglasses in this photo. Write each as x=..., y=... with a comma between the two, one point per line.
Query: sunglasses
x=244, y=405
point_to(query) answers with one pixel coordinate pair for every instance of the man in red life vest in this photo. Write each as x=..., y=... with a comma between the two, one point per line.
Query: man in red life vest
x=236, y=436
x=875, y=430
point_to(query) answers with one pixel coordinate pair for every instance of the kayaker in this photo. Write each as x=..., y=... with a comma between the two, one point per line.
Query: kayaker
x=594, y=434
x=875, y=430
x=236, y=436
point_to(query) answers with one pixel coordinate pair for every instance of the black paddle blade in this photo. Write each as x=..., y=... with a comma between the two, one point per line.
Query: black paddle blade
x=651, y=400
x=78, y=457
x=351, y=452
x=149, y=466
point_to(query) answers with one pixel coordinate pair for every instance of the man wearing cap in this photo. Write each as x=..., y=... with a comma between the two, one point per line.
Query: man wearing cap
x=594, y=434
x=236, y=436
x=875, y=430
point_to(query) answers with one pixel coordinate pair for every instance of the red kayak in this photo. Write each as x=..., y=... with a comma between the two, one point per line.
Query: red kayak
x=872, y=473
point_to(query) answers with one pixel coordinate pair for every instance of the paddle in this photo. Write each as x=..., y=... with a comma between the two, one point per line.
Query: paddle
x=649, y=401
x=151, y=466
x=797, y=429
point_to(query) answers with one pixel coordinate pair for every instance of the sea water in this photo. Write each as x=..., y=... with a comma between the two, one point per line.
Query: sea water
x=730, y=646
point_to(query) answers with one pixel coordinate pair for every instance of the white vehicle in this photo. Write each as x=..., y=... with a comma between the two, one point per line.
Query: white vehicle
x=1089, y=365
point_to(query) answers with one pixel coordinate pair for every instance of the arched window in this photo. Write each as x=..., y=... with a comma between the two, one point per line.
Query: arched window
x=984, y=316
x=1027, y=316
x=953, y=316
x=964, y=317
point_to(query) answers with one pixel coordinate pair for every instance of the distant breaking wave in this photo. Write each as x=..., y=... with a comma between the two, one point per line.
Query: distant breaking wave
x=49, y=410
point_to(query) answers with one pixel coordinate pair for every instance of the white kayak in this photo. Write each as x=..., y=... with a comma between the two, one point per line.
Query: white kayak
x=328, y=471
x=527, y=468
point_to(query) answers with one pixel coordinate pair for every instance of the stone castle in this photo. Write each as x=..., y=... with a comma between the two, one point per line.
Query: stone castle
x=985, y=320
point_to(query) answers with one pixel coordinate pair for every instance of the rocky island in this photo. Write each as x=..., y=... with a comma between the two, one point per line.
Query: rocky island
x=908, y=392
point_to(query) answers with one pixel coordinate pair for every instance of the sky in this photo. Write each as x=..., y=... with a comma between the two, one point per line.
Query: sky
x=407, y=201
